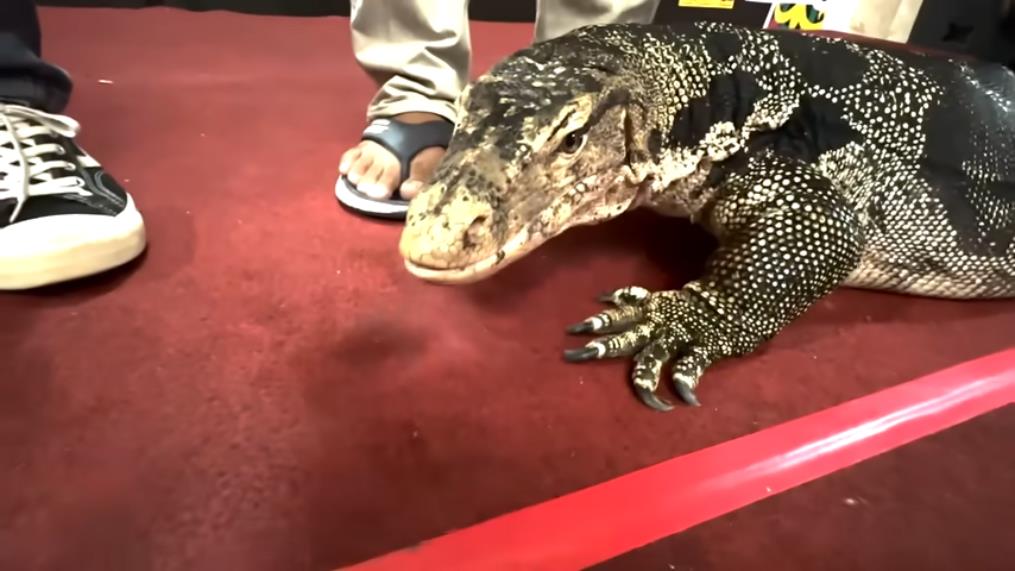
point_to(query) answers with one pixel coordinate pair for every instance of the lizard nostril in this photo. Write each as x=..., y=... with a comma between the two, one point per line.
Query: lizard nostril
x=474, y=234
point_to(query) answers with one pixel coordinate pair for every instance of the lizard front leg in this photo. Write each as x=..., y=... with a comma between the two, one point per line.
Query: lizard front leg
x=786, y=237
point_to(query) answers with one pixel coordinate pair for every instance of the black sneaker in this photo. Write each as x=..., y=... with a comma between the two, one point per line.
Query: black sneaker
x=62, y=216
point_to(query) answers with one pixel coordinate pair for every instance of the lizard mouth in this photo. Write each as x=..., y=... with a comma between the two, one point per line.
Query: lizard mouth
x=515, y=248
x=518, y=246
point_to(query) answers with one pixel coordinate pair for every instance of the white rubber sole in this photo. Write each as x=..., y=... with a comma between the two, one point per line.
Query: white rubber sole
x=357, y=202
x=55, y=249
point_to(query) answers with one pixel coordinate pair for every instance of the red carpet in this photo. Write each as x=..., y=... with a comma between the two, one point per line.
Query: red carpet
x=945, y=502
x=600, y=522
x=268, y=389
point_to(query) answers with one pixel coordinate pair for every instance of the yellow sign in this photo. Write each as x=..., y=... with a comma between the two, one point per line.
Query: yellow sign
x=797, y=15
x=722, y=4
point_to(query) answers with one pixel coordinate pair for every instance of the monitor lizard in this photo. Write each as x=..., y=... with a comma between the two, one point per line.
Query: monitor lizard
x=816, y=162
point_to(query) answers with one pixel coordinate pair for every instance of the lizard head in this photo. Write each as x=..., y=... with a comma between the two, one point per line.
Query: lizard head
x=545, y=142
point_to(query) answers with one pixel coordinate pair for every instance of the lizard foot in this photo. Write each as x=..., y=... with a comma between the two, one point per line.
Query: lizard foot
x=670, y=327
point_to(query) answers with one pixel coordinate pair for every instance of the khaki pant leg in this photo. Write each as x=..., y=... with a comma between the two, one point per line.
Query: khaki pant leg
x=418, y=52
x=558, y=17
x=883, y=19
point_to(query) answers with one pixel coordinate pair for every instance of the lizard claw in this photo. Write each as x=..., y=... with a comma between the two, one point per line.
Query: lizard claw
x=652, y=400
x=687, y=371
x=632, y=295
x=583, y=327
x=605, y=297
x=581, y=354
x=656, y=329
x=686, y=394
x=610, y=319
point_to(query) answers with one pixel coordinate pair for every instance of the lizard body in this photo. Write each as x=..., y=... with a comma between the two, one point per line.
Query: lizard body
x=816, y=162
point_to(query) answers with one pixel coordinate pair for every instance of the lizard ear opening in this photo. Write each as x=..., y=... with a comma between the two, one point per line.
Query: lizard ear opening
x=635, y=145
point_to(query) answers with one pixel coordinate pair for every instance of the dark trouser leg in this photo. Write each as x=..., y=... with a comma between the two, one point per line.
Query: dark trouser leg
x=25, y=78
x=1006, y=37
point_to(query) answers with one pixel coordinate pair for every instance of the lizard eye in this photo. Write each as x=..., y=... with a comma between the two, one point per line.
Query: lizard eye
x=572, y=142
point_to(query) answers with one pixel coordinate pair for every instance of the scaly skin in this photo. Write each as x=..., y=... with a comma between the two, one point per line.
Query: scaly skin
x=817, y=163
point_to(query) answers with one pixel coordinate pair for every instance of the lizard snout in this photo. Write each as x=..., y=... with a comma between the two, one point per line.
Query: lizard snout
x=458, y=237
x=478, y=233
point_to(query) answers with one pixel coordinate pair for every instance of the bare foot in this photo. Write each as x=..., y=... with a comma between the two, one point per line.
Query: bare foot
x=375, y=171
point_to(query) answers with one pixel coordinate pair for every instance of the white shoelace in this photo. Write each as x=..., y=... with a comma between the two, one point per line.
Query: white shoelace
x=24, y=172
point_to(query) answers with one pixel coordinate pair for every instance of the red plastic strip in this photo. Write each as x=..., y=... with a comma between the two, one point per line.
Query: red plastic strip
x=598, y=523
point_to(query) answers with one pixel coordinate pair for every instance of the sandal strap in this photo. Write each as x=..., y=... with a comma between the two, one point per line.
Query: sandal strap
x=406, y=140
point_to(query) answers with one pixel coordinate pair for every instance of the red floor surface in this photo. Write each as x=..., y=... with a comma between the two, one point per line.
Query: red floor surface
x=268, y=389
x=595, y=524
x=956, y=510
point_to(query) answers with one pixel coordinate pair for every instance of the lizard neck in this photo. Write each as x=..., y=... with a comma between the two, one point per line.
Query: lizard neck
x=682, y=197
x=720, y=101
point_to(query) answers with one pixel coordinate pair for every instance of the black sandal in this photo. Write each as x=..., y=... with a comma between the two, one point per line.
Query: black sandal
x=405, y=141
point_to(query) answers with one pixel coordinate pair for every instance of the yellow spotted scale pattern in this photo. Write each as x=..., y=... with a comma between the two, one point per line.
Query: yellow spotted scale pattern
x=816, y=162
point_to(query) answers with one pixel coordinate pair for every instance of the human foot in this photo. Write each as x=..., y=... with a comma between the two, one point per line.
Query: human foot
x=376, y=171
